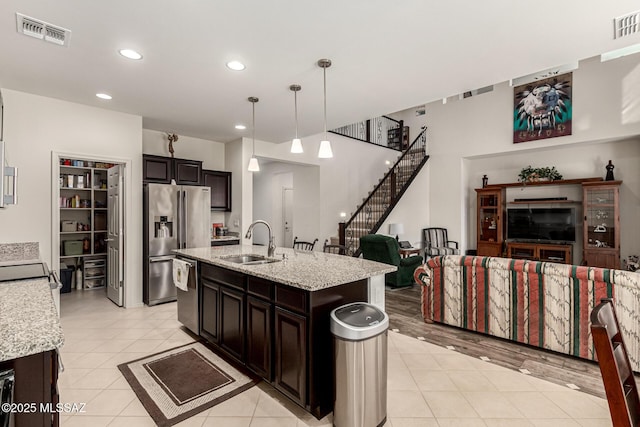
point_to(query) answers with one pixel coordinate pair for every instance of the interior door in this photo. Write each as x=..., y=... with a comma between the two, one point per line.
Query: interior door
x=115, y=235
x=287, y=217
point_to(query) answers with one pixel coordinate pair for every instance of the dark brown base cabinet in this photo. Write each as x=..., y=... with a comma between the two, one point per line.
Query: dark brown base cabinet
x=209, y=297
x=36, y=383
x=291, y=354
x=279, y=332
x=232, y=322
x=259, y=336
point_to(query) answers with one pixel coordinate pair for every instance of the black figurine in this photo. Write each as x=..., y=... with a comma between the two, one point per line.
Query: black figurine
x=485, y=180
x=609, y=176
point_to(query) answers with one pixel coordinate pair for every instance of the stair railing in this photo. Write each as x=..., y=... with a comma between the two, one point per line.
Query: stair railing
x=383, y=131
x=376, y=207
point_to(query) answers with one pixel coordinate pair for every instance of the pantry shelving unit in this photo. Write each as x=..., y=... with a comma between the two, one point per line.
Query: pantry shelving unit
x=83, y=219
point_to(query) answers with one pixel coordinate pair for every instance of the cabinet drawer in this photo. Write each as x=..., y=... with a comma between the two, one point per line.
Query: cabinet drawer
x=260, y=287
x=291, y=298
x=224, y=276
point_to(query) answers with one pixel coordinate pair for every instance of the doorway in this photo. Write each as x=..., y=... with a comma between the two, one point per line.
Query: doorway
x=88, y=235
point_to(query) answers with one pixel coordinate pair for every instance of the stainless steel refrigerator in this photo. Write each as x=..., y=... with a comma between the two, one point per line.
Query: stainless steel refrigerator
x=175, y=217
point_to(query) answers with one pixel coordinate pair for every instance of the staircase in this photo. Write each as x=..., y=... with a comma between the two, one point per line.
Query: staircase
x=375, y=208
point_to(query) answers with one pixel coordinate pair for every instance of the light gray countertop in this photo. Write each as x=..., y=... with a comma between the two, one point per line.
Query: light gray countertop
x=309, y=270
x=29, y=322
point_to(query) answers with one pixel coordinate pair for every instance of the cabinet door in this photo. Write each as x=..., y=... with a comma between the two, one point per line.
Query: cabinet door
x=491, y=224
x=220, y=184
x=601, y=258
x=259, y=327
x=187, y=172
x=156, y=169
x=36, y=379
x=209, y=310
x=290, y=355
x=232, y=322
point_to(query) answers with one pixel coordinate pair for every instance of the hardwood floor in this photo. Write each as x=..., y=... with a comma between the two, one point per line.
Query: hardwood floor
x=403, y=308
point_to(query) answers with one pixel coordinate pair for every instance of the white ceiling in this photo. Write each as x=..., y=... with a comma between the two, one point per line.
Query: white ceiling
x=387, y=55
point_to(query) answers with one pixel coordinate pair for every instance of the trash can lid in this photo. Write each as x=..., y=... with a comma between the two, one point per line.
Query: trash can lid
x=358, y=321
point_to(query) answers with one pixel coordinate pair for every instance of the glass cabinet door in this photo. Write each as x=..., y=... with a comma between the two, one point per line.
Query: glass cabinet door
x=489, y=217
x=600, y=218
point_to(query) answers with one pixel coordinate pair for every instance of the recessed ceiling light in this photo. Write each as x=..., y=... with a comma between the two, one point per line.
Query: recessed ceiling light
x=236, y=65
x=130, y=53
x=241, y=127
x=103, y=96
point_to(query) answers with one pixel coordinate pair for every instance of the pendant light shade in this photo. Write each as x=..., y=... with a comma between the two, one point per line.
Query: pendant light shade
x=325, y=152
x=296, y=146
x=253, y=162
x=253, y=165
x=296, y=143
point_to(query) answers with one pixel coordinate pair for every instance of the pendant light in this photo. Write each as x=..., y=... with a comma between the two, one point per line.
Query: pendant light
x=325, y=152
x=296, y=144
x=253, y=162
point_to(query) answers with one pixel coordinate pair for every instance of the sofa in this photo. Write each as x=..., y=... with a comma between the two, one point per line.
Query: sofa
x=541, y=304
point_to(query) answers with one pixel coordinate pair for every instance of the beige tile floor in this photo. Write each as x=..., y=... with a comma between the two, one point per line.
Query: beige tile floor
x=428, y=385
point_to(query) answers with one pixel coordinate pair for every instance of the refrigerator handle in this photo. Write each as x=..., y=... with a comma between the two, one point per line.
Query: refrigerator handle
x=186, y=224
x=179, y=224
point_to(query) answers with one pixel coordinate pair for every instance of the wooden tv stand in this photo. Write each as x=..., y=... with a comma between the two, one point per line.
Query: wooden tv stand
x=547, y=252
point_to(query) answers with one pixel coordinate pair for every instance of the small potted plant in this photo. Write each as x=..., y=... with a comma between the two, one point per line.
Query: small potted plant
x=530, y=174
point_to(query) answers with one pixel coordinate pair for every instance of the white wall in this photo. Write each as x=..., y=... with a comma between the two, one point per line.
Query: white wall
x=461, y=131
x=211, y=153
x=34, y=127
x=237, y=154
x=344, y=180
x=267, y=200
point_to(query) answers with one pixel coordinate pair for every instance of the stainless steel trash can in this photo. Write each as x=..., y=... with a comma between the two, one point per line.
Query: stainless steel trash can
x=360, y=360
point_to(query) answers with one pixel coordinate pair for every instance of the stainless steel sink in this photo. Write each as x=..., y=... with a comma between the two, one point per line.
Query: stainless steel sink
x=250, y=259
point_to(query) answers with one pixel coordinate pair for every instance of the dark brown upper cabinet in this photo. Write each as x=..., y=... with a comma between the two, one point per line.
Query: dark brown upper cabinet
x=162, y=170
x=187, y=172
x=157, y=169
x=220, y=184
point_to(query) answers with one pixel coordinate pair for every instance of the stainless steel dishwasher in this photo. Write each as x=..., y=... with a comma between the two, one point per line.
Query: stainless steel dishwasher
x=188, y=310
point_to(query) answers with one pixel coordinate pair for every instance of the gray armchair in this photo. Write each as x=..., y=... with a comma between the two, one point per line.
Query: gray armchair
x=436, y=242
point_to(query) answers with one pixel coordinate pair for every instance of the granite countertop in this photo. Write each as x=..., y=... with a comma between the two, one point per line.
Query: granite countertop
x=29, y=322
x=309, y=270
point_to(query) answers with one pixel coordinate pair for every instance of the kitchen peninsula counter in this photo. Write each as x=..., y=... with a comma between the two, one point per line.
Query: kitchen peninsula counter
x=30, y=335
x=309, y=270
x=29, y=322
x=274, y=318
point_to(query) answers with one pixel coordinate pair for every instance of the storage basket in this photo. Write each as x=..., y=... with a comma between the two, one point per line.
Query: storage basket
x=72, y=247
x=69, y=226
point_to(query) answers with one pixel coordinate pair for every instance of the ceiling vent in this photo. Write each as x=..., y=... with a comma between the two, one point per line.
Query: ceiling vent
x=42, y=30
x=626, y=25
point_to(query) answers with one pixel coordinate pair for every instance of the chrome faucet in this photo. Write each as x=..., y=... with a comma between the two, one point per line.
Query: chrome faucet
x=272, y=246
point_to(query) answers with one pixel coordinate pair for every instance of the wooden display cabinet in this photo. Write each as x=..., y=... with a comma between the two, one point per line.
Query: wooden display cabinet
x=491, y=221
x=601, y=226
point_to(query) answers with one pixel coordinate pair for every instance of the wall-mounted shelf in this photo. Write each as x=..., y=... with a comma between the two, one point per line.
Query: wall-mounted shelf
x=539, y=183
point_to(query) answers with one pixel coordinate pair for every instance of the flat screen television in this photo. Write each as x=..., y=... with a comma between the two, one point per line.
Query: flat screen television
x=541, y=224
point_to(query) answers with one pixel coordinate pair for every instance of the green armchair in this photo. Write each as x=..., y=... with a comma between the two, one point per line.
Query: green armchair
x=377, y=247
